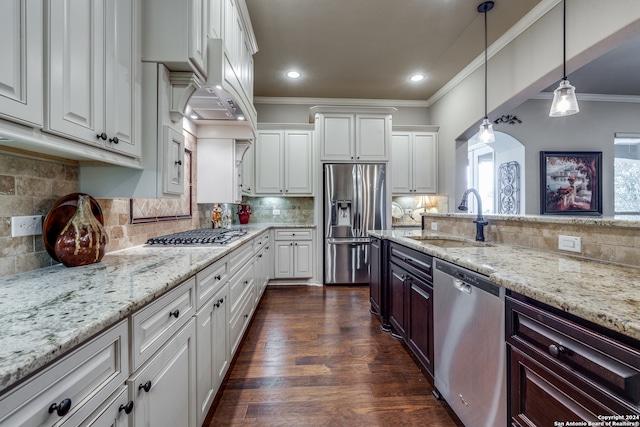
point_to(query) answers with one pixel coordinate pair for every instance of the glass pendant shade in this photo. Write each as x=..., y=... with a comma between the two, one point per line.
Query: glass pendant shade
x=485, y=134
x=564, y=100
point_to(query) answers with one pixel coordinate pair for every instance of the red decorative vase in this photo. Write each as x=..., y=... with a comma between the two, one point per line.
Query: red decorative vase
x=83, y=240
x=244, y=212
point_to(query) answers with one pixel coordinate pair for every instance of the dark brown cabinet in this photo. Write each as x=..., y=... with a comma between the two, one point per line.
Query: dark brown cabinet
x=375, y=276
x=563, y=368
x=411, y=301
x=397, y=279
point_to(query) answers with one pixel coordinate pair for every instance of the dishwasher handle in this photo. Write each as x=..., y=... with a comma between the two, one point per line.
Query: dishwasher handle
x=461, y=286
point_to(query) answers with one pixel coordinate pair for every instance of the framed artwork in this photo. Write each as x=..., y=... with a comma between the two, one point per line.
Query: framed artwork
x=571, y=182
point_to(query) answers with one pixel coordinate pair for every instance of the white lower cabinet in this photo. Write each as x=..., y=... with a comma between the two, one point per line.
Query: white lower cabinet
x=164, y=389
x=293, y=253
x=161, y=367
x=113, y=413
x=262, y=264
x=212, y=349
x=72, y=387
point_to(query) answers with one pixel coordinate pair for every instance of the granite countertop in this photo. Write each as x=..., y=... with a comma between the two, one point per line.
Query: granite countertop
x=605, y=294
x=51, y=310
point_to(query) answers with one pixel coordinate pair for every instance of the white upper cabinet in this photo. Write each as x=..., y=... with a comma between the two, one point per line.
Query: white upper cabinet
x=414, y=161
x=221, y=150
x=359, y=136
x=175, y=34
x=284, y=163
x=91, y=73
x=163, y=171
x=21, y=50
x=248, y=169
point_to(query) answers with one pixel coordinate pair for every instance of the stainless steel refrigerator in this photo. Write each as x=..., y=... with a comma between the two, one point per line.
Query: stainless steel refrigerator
x=354, y=202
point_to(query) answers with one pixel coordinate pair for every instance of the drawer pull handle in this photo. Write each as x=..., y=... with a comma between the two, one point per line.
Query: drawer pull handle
x=246, y=282
x=556, y=350
x=175, y=313
x=146, y=386
x=62, y=408
x=126, y=408
x=217, y=277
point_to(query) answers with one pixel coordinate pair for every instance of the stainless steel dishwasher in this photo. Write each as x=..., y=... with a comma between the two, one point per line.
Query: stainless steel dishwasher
x=469, y=346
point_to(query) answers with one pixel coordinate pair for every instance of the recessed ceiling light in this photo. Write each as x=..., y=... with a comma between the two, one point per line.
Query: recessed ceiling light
x=293, y=74
x=417, y=77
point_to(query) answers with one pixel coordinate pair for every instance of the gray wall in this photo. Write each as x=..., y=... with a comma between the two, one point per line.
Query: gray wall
x=592, y=129
x=528, y=64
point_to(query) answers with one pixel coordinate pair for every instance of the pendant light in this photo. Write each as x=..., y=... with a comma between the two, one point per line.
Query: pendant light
x=564, y=98
x=485, y=134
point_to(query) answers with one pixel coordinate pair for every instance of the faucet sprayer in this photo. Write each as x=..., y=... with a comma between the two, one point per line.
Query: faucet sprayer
x=479, y=221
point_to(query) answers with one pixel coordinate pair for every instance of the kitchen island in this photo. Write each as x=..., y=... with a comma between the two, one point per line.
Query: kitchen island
x=571, y=327
x=605, y=294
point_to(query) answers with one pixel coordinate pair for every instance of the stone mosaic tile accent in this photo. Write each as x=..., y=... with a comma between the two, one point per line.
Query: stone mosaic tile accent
x=293, y=210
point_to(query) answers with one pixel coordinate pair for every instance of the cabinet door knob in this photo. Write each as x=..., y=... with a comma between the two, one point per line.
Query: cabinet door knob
x=556, y=350
x=178, y=162
x=146, y=386
x=102, y=136
x=127, y=408
x=217, y=277
x=115, y=140
x=175, y=313
x=217, y=304
x=61, y=408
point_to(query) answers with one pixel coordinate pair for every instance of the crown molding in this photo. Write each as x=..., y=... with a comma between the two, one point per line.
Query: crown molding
x=528, y=20
x=593, y=97
x=407, y=103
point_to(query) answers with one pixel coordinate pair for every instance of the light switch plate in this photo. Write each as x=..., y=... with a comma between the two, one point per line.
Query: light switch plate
x=570, y=243
x=434, y=226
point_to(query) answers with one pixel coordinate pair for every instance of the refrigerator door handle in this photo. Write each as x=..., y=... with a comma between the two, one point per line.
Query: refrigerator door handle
x=361, y=241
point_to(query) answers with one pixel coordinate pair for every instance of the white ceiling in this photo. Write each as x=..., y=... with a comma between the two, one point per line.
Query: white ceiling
x=368, y=49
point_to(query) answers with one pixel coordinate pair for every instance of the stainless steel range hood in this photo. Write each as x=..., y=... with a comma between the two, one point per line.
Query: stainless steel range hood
x=224, y=96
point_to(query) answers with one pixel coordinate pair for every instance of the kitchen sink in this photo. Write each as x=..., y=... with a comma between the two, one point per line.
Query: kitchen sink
x=448, y=243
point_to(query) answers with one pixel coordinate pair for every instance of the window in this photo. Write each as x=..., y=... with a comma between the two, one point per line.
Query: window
x=626, y=174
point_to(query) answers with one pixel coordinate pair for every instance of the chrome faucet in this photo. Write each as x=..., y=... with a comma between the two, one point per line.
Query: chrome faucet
x=480, y=221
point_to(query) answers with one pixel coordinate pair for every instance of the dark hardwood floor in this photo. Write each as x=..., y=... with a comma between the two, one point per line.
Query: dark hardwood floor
x=315, y=356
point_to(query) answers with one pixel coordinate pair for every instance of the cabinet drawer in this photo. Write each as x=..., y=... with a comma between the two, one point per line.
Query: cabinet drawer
x=239, y=257
x=294, y=234
x=415, y=262
x=239, y=321
x=571, y=349
x=239, y=285
x=210, y=279
x=260, y=242
x=87, y=377
x=154, y=324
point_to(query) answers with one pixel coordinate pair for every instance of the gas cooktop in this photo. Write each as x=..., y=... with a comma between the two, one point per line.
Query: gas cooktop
x=201, y=236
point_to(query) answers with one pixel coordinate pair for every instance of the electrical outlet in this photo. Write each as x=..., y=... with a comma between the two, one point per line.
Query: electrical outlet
x=570, y=243
x=434, y=226
x=26, y=225
x=276, y=211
